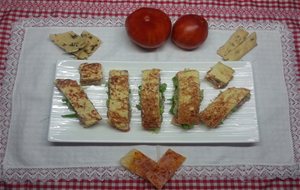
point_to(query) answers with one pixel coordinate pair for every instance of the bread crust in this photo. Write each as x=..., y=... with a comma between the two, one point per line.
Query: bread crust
x=79, y=100
x=223, y=105
x=219, y=75
x=90, y=73
x=138, y=163
x=150, y=99
x=188, y=97
x=118, y=112
x=157, y=173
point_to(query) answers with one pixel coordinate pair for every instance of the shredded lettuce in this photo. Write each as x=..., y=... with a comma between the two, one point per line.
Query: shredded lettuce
x=138, y=106
x=174, y=101
x=70, y=107
x=67, y=102
x=129, y=105
x=162, y=89
x=174, y=98
x=72, y=115
x=154, y=130
x=201, y=95
x=186, y=126
x=107, y=102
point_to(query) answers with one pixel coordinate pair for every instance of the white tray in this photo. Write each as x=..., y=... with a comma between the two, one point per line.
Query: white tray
x=240, y=127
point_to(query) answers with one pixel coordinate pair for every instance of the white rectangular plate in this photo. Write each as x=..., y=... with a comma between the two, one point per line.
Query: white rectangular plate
x=240, y=127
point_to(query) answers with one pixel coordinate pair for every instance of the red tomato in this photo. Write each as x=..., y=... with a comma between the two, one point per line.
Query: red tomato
x=190, y=31
x=148, y=27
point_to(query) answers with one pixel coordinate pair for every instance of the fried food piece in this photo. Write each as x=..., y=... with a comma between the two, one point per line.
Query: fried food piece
x=157, y=173
x=225, y=103
x=219, y=75
x=138, y=163
x=90, y=73
x=151, y=99
x=118, y=100
x=79, y=101
x=168, y=164
x=186, y=99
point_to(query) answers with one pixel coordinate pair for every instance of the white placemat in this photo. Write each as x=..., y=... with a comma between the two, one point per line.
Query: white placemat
x=27, y=142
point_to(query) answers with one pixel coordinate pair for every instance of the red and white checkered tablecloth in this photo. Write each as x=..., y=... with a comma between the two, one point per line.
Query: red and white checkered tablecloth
x=11, y=11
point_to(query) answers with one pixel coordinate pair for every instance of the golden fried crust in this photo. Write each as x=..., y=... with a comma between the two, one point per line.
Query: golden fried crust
x=156, y=173
x=84, y=108
x=150, y=99
x=138, y=163
x=90, y=73
x=158, y=177
x=118, y=106
x=219, y=75
x=167, y=166
x=223, y=105
x=171, y=160
x=188, y=97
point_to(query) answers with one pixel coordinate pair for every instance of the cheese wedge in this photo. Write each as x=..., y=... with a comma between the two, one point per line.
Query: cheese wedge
x=118, y=100
x=219, y=75
x=79, y=101
x=90, y=73
x=225, y=103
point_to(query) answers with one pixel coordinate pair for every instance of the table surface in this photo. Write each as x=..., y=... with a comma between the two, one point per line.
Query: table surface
x=287, y=12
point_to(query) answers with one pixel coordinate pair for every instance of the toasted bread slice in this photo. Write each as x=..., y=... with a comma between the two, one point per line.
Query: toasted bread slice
x=225, y=103
x=157, y=173
x=118, y=100
x=168, y=164
x=138, y=163
x=90, y=73
x=151, y=99
x=187, y=97
x=79, y=100
x=219, y=75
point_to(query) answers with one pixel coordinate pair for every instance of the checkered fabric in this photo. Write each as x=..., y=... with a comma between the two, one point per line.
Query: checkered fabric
x=141, y=184
x=287, y=11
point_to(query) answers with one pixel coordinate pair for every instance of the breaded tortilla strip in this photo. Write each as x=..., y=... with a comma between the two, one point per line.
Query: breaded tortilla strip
x=150, y=99
x=188, y=104
x=219, y=75
x=118, y=112
x=168, y=164
x=138, y=163
x=81, y=104
x=223, y=105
